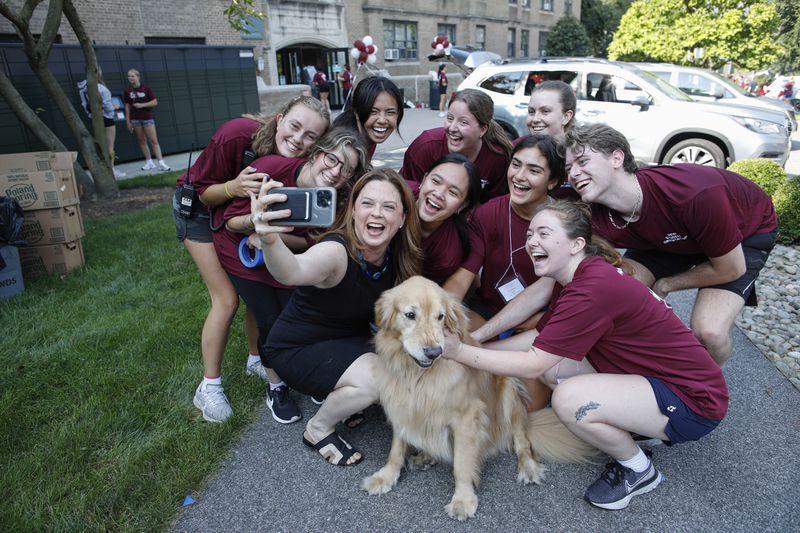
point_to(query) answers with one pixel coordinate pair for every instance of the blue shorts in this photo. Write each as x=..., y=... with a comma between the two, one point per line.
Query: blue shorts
x=197, y=228
x=142, y=123
x=684, y=424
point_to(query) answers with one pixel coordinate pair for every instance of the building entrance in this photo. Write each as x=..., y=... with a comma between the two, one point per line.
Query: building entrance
x=298, y=63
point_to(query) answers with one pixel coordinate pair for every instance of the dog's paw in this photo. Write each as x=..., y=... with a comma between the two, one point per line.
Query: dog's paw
x=530, y=471
x=378, y=483
x=462, y=507
x=420, y=461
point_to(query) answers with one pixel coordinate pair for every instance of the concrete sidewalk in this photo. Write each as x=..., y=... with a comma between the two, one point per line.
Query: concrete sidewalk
x=743, y=477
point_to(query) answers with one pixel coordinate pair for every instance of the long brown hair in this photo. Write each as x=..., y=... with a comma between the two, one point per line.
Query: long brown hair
x=263, y=141
x=576, y=217
x=406, y=250
x=482, y=108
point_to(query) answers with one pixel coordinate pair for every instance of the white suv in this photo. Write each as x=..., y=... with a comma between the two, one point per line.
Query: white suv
x=662, y=124
x=707, y=86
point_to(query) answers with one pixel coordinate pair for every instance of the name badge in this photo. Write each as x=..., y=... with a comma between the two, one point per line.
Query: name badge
x=510, y=286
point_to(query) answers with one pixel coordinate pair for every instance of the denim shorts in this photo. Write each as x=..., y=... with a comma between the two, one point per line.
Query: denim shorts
x=142, y=123
x=756, y=249
x=196, y=229
x=684, y=424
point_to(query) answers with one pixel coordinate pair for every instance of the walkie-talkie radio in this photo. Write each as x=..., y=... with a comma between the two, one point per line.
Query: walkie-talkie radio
x=188, y=196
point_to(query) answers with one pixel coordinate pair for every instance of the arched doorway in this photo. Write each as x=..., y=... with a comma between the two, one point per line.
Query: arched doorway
x=298, y=62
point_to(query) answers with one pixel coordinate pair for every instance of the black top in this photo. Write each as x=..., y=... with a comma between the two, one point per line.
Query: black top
x=346, y=310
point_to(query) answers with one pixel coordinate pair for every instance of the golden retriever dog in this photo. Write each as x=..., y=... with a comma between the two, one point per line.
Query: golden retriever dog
x=449, y=411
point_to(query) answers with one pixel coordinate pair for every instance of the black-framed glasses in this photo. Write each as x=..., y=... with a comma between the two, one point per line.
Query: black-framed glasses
x=332, y=161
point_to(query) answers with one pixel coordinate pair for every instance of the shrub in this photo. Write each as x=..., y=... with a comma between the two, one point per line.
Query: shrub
x=766, y=173
x=787, y=204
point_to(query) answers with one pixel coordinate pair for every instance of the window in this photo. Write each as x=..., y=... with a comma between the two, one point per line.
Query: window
x=524, y=43
x=607, y=88
x=536, y=77
x=547, y=5
x=449, y=30
x=568, y=7
x=512, y=42
x=512, y=2
x=252, y=28
x=695, y=85
x=503, y=83
x=543, y=42
x=401, y=35
x=526, y=4
x=480, y=37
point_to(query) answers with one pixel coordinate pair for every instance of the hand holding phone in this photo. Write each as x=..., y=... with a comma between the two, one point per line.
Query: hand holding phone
x=313, y=207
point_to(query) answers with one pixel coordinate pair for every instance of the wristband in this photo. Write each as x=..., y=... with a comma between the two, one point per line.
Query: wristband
x=244, y=255
x=227, y=191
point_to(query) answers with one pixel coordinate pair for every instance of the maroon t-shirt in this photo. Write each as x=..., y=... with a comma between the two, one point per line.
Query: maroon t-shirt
x=432, y=144
x=139, y=95
x=226, y=243
x=622, y=327
x=442, y=248
x=489, y=245
x=689, y=209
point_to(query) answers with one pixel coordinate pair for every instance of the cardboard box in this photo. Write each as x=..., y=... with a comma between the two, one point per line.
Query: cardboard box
x=52, y=226
x=36, y=162
x=40, y=190
x=40, y=261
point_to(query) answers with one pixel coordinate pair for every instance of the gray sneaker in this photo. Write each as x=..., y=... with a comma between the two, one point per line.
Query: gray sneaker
x=212, y=402
x=618, y=484
x=258, y=370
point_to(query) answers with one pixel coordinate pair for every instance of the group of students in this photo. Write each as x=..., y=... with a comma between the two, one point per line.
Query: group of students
x=482, y=217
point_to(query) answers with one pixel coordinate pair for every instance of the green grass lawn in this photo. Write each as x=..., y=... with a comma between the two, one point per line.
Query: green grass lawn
x=97, y=374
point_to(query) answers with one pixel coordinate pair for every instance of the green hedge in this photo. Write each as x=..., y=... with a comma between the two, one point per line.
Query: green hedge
x=785, y=194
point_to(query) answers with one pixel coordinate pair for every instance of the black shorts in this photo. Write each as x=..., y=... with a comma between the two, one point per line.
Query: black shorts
x=196, y=229
x=324, y=89
x=108, y=122
x=756, y=250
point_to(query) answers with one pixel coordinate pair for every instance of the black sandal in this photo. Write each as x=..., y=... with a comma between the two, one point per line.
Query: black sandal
x=334, y=450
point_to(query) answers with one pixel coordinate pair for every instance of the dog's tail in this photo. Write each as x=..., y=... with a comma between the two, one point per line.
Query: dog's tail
x=552, y=441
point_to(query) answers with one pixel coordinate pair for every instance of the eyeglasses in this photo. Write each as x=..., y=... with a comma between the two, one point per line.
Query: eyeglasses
x=331, y=161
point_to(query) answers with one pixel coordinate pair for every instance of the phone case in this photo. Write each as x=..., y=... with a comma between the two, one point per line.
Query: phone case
x=311, y=207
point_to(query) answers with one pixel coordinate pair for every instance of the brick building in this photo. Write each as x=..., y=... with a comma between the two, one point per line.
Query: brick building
x=298, y=34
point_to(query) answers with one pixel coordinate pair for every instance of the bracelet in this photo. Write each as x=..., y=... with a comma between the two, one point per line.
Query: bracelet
x=227, y=191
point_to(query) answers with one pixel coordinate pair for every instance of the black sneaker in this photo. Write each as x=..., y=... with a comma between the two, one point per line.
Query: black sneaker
x=283, y=408
x=318, y=401
x=618, y=484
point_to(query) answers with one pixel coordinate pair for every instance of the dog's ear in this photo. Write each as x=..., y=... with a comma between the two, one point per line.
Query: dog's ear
x=455, y=318
x=385, y=309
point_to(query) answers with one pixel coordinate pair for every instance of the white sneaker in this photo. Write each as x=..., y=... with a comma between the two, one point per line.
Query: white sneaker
x=212, y=402
x=258, y=370
x=119, y=173
x=149, y=165
x=163, y=165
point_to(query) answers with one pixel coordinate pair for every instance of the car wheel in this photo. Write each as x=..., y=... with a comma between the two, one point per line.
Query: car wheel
x=697, y=151
x=510, y=132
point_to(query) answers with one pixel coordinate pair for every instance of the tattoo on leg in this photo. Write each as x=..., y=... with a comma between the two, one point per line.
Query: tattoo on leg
x=584, y=409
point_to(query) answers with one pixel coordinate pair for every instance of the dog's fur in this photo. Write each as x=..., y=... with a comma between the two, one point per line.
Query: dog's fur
x=449, y=411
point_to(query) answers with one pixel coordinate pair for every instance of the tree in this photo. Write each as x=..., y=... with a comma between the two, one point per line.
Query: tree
x=37, y=49
x=789, y=35
x=706, y=33
x=600, y=19
x=568, y=38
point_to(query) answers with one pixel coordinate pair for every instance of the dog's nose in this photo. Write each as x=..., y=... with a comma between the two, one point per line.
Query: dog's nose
x=432, y=352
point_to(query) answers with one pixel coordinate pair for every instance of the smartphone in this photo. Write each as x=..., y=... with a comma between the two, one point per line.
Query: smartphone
x=313, y=207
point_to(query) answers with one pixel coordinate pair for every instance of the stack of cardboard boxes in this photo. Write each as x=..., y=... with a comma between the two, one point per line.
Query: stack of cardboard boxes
x=43, y=183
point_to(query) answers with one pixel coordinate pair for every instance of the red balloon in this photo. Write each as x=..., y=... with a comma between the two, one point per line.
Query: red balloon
x=359, y=44
x=370, y=49
x=363, y=56
x=433, y=45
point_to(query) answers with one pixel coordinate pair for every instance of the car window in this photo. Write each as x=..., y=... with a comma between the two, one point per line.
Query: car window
x=535, y=77
x=608, y=88
x=695, y=85
x=503, y=83
x=661, y=74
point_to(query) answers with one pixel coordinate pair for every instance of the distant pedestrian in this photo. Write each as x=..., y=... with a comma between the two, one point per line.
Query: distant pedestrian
x=109, y=113
x=442, y=90
x=139, y=101
x=321, y=83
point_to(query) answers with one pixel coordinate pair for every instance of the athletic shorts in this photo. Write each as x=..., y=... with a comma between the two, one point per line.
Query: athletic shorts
x=142, y=123
x=108, y=122
x=684, y=424
x=196, y=229
x=756, y=250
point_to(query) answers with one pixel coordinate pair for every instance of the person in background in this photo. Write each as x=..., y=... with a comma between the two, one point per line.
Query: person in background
x=470, y=130
x=139, y=101
x=376, y=111
x=220, y=174
x=442, y=89
x=345, y=79
x=320, y=81
x=615, y=354
x=109, y=114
